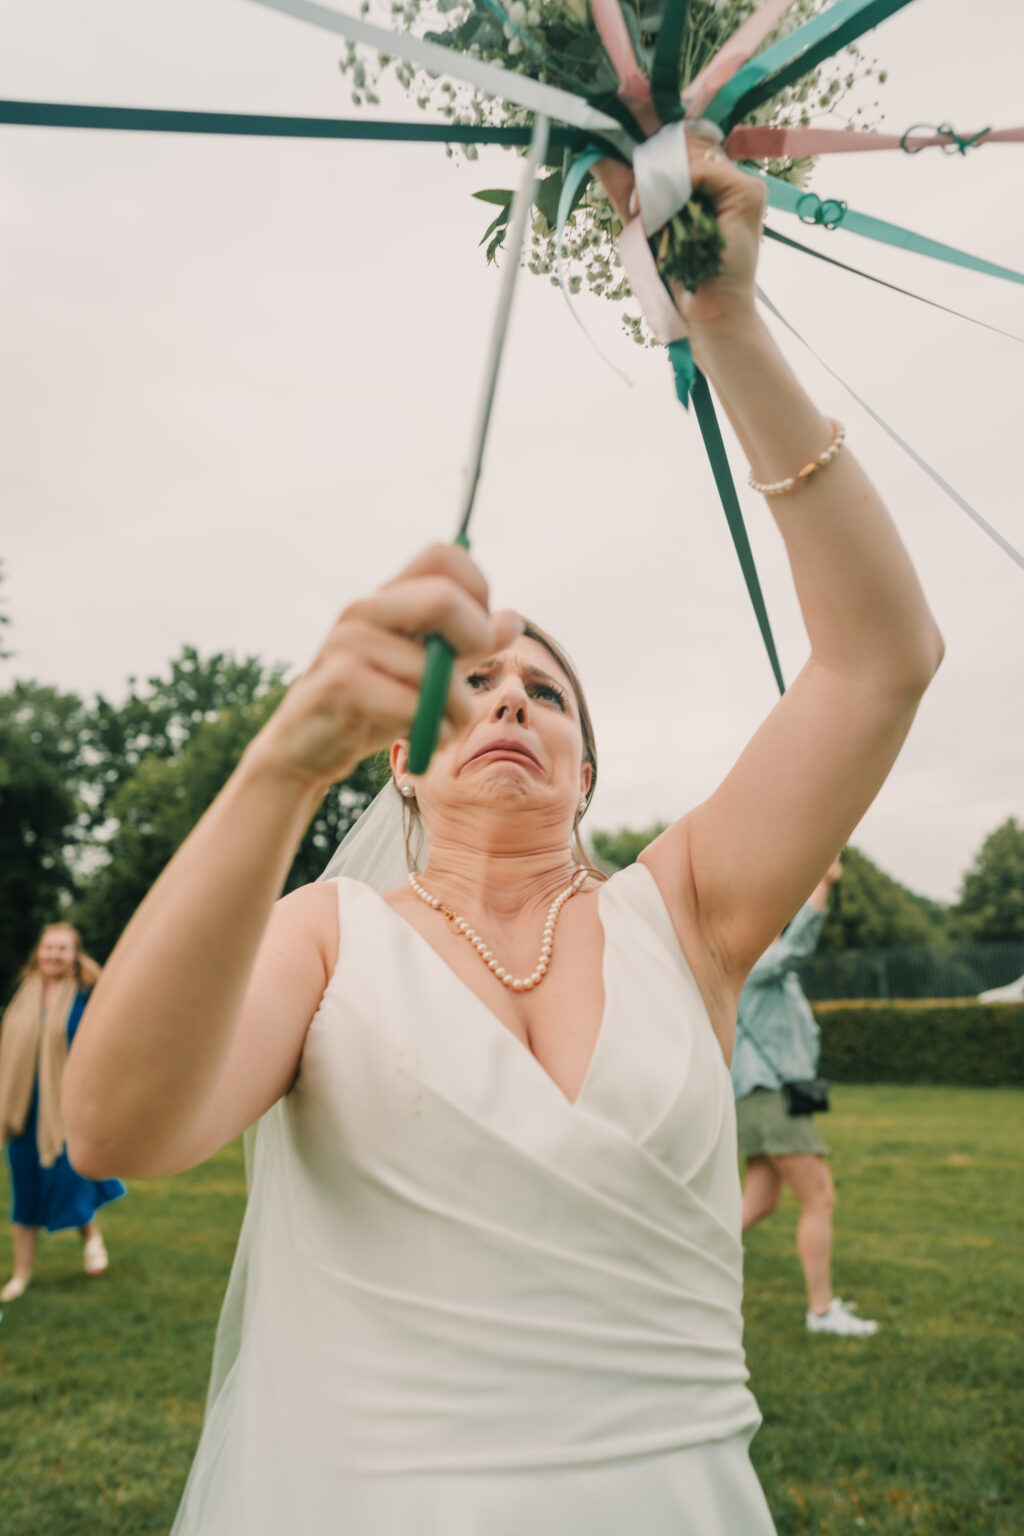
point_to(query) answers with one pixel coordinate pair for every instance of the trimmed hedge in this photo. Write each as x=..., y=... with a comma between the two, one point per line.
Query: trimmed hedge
x=968, y=1044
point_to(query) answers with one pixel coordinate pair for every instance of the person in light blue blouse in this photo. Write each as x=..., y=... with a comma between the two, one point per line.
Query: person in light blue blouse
x=777, y=1041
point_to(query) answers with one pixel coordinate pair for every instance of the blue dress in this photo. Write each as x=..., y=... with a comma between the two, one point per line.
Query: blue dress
x=57, y=1197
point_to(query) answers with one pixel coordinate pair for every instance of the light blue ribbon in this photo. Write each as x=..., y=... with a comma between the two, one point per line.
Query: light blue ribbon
x=835, y=214
x=572, y=180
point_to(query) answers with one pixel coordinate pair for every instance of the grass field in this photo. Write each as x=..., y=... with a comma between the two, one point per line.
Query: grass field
x=917, y=1431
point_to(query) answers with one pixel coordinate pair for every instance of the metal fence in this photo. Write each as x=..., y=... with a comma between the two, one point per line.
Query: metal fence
x=949, y=970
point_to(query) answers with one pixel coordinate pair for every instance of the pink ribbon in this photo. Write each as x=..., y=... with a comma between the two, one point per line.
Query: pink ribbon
x=650, y=292
x=744, y=42
x=755, y=143
x=634, y=87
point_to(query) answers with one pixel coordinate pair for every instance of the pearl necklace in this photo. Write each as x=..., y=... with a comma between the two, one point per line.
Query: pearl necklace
x=459, y=925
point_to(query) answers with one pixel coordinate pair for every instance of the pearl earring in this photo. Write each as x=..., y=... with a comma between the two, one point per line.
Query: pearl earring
x=582, y=806
x=407, y=791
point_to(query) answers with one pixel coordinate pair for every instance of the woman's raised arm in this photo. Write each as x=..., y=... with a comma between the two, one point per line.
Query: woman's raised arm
x=198, y=1021
x=741, y=864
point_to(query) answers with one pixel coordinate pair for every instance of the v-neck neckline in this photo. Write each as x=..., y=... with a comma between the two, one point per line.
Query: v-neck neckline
x=498, y=1023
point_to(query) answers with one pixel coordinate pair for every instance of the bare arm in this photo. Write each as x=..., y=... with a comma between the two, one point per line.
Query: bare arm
x=142, y=1079
x=736, y=868
x=198, y=1021
x=759, y=845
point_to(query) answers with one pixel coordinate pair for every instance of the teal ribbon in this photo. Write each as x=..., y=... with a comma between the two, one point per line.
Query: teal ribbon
x=796, y=55
x=711, y=433
x=684, y=369
x=572, y=182
x=830, y=213
x=573, y=177
x=666, y=63
x=794, y=199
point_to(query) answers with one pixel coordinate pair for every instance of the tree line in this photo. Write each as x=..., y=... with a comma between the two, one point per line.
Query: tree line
x=870, y=910
x=95, y=797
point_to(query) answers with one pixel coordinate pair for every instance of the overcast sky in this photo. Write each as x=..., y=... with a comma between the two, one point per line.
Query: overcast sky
x=237, y=380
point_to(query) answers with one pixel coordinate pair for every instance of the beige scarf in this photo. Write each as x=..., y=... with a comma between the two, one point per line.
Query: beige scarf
x=32, y=1040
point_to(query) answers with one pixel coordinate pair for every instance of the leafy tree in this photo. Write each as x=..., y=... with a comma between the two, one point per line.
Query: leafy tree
x=159, y=719
x=41, y=814
x=94, y=800
x=991, y=905
x=870, y=910
x=617, y=849
x=158, y=805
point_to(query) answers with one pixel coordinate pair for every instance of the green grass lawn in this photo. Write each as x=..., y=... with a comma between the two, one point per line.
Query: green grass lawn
x=916, y=1432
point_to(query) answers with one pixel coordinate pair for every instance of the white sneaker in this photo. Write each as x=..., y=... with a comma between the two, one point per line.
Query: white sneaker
x=839, y=1318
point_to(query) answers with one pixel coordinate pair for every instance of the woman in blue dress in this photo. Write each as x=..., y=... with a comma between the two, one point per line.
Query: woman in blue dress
x=35, y=1035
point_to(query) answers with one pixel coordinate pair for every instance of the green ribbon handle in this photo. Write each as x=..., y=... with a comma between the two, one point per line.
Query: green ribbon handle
x=435, y=683
x=440, y=659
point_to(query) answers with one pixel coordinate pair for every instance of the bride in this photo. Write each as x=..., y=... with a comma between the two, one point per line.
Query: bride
x=489, y=1278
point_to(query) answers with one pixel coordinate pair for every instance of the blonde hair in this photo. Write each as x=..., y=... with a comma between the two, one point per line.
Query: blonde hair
x=413, y=823
x=86, y=969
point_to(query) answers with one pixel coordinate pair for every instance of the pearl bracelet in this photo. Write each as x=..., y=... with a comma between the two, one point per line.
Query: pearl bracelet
x=781, y=487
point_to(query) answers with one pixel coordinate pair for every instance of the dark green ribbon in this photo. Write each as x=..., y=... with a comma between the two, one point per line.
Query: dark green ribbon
x=795, y=245
x=690, y=381
x=665, y=66
x=47, y=114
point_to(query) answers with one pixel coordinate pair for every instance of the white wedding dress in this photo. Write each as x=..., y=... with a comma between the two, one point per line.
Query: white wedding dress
x=466, y=1306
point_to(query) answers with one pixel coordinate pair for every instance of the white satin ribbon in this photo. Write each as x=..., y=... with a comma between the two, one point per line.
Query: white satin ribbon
x=662, y=170
x=661, y=166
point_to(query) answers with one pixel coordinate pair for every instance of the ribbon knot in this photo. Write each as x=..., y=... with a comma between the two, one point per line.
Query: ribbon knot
x=959, y=144
x=812, y=210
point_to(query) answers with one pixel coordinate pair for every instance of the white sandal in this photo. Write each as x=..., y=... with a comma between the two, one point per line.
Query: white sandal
x=94, y=1255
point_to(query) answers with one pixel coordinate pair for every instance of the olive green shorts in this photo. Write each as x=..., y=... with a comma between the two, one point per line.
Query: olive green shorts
x=765, y=1130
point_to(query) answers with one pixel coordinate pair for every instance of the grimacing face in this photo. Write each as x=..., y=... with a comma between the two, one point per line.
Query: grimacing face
x=55, y=956
x=524, y=747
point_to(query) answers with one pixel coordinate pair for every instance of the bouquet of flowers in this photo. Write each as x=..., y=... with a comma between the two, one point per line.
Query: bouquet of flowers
x=642, y=62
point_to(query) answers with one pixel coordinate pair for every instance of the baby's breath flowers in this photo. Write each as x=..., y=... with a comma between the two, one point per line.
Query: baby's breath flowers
x=556, y=42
